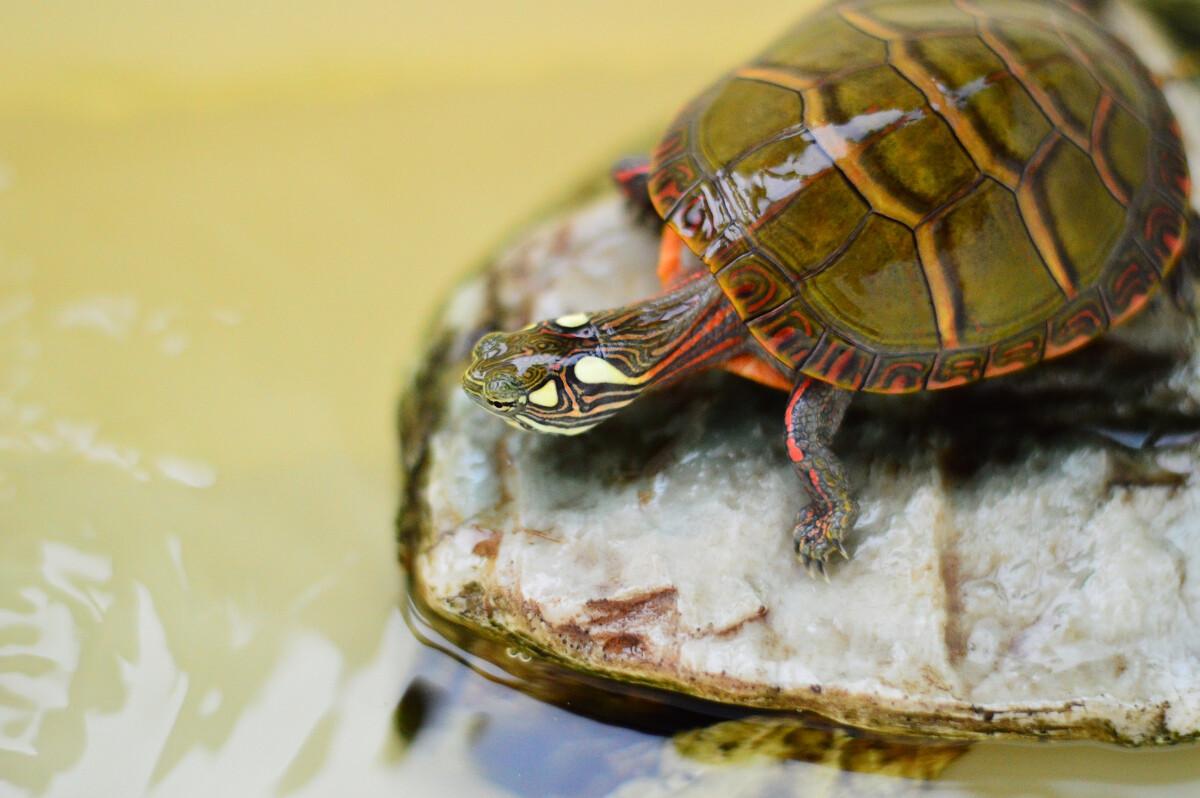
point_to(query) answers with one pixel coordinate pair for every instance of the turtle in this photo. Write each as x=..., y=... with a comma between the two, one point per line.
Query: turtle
x=894, y=196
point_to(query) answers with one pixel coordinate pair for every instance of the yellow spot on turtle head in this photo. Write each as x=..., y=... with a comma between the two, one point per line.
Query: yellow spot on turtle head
x=572, y=320
x=546, y=396
x=594, y=370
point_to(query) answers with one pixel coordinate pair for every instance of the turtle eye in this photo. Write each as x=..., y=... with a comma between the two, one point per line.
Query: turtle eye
x=502, y=392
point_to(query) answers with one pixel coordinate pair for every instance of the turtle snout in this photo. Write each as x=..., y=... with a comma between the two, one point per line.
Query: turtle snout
x=484, y=356
x=490, y=347
x=496, y=388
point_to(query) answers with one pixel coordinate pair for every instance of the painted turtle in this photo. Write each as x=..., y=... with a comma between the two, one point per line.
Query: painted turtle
x=895, y=196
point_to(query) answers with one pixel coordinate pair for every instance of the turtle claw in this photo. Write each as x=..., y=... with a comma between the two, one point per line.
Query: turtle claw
x=814, y=565
x=817, y=539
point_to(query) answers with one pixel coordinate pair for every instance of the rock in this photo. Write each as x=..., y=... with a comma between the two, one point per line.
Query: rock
x=1026, y=563
x=1016, y=571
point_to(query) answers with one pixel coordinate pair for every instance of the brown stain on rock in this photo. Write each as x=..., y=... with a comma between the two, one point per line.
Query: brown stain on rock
x=624, y=644
x=950, y=567
x=1139, y=470
x=504, y=470
x=640, y=607
x=489, y=547
x=737, y=626
x=950, y=571
x=616, y=629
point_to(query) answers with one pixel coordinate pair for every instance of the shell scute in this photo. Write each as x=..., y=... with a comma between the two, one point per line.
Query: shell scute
x=840, y=362
x=897, y=19
x=900, y=373
x=957, y=367
x=1017, y=353
x=1063, y=88
x=700, y=217
x=1174, y=180
x=672, y=181
x=900, y=155
x=766, y=180
x=813, y=225
x=992, y=282
x=1074, y=218
x=745, y=113
x=1119, y=144
x=1127, y=287
x=1124, y=78
x=790, y=333
x=754, y=286
x=824, y=44
x=879, y=271
x=1081, y=321
x=1162, y=233
x=992, y=114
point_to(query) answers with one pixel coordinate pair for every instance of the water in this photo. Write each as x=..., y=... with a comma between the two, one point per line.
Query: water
x=221, y=231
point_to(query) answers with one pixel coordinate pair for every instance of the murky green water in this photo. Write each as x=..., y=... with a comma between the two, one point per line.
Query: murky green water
x=221, y=229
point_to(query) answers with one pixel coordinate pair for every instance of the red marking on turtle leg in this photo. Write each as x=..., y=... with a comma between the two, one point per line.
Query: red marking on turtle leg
x=794, y=450
x=814, y=413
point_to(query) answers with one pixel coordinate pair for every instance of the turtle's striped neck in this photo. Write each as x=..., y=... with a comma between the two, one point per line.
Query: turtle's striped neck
x=662, y=339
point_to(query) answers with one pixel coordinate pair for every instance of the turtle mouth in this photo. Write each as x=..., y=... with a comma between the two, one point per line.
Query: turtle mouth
x=502, y=407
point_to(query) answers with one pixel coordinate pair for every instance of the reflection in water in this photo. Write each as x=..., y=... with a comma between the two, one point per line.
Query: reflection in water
x=146, y=645
x=543, y=732
x=467, y=711
x=41, y=649
x=413, y=711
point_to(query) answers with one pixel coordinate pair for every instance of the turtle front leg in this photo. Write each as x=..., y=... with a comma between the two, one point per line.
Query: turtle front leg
x=814, y=414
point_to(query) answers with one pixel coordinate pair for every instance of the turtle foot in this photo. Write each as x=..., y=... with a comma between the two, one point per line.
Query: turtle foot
x=818, y=536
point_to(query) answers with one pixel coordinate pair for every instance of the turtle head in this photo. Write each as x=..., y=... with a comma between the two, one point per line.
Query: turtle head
x=551, y=376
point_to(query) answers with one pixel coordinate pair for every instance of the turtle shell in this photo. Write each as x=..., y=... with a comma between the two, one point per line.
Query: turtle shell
x=900, y=195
